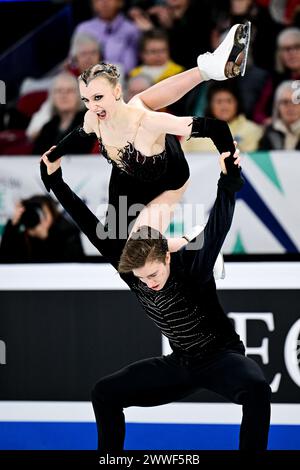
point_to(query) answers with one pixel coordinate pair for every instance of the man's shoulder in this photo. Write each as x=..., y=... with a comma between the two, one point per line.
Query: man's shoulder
x=177, y=266
x=129, y=279
x=64, y=226
x=89, y=26
x=130, y=25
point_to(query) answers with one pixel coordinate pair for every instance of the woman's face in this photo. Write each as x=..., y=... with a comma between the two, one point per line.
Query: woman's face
x=289, y=53
x=100, y=97
x=65, y=96
x=288, y=107
x=155, y=52
x=88, y=54
x=224, y=106
x=240, y=7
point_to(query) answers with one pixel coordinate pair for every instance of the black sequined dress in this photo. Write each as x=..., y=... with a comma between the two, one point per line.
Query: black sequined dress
x=141, y=178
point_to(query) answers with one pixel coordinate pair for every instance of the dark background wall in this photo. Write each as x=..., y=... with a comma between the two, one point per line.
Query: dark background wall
x=58, y=344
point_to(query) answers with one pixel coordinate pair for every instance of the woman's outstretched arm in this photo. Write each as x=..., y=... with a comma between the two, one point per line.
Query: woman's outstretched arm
x=215, y=129
x=168, y=91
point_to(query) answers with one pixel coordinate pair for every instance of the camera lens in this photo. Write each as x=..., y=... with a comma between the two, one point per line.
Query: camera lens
x=32, y=215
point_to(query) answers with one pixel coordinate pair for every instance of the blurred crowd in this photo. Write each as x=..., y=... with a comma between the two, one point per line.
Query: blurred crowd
x=150, y=40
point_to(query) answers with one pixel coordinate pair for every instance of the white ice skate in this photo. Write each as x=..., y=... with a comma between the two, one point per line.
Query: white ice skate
x=230, y=58
x=219, y=267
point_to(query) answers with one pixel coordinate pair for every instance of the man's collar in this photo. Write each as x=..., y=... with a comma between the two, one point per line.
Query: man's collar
x=115, y=23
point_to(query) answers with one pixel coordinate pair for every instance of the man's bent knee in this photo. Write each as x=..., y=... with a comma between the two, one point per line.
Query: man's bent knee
x=259, y=390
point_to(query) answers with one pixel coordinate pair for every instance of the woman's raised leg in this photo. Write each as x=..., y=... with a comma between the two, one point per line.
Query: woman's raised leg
x=227, y=61
x=170, y=90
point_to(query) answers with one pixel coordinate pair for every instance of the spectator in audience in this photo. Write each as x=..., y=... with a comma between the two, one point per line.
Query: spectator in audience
x=249, y=87
x=67, y=113
x=81, y=10
x=187, y=26
x=296, y=17
x=288, y=53
x=264, y=29
x=38, y=232
x=155, y=56
x=287, y=68
x=224, y=104
x=85, y=51
x=283, y=11
x=284, y=131
x=137, y=84
x=117, y=35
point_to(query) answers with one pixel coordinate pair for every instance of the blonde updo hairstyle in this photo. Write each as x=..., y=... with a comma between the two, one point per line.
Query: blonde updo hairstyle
x=108, y=71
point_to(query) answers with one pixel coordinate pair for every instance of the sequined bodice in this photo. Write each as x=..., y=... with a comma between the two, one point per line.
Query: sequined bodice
x=135, y=163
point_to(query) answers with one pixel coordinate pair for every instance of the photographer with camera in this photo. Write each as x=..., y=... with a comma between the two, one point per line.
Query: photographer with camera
x=39, y=233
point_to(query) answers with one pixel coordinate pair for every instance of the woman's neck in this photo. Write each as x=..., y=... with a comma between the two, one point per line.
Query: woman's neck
x=119, y=118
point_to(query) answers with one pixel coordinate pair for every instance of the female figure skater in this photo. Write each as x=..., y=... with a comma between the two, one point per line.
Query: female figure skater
x=149, y=167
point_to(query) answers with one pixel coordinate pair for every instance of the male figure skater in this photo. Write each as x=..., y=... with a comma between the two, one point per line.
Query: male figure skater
x=178, y=293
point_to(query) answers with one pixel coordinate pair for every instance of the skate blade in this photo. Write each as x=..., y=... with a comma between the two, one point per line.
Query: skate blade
x=243, y=65
x=237, y=60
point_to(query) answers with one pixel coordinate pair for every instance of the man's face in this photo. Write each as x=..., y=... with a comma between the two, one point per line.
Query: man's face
x=107, y=10
x=154, y=273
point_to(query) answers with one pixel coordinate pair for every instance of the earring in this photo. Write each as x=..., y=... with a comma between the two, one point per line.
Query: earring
x=118, y=99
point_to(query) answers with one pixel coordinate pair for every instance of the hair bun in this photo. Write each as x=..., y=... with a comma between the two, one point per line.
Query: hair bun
x=110, y=71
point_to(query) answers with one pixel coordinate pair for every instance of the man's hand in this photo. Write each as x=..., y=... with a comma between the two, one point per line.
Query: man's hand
x=141, y=19
x=225, y=155
x=164, y=14
x=51, y=167
x=19, y=209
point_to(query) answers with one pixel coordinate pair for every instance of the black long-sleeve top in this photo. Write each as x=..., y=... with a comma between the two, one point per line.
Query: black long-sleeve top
x=186, y=309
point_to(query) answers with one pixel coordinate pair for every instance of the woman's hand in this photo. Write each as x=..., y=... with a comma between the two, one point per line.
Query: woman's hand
x=225, y=155
x=51, y=167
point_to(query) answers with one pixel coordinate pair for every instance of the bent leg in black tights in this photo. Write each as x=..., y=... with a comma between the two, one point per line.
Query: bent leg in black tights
x=148, y=382
x=161, y=380
x=241, y=380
